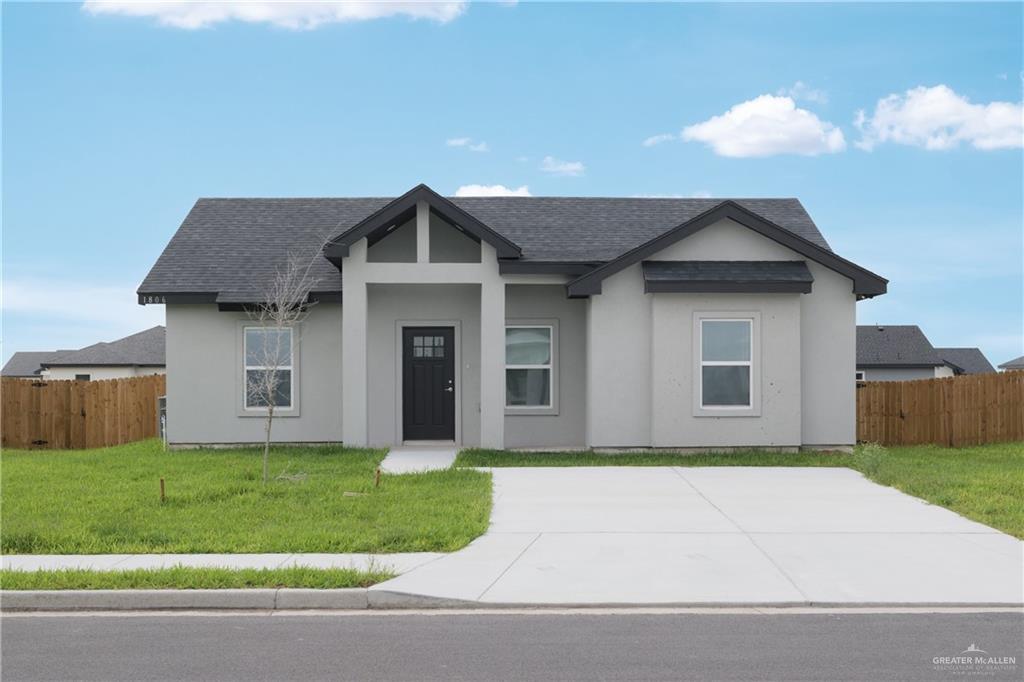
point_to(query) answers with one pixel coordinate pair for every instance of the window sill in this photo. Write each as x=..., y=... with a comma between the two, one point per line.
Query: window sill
x=531, y=411
x=262, y=414
x=726, y=412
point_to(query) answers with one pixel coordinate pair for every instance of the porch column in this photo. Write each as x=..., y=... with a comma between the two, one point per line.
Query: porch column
x=492, y=354
x=353, y=347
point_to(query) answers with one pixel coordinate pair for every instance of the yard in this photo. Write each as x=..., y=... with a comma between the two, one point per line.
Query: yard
x=107, y=501
x=984, y=483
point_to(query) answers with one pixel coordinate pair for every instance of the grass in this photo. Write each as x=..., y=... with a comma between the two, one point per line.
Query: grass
x=187, y=578
x=323, y=499
x=984, y=483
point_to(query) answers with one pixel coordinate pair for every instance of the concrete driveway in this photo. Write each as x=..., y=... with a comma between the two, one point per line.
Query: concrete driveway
x=718, y=535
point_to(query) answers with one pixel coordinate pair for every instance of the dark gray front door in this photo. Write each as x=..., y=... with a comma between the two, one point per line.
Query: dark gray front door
x=428, y=383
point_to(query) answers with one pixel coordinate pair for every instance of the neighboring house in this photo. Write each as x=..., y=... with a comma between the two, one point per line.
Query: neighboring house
x=136, y=355
x=518, y=322
x=1015, y=364
x=966, y=360
x=903, y=353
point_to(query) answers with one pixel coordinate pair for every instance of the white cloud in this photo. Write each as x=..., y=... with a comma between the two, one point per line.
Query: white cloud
x=701, y=194
x=802, y=91
x=294, y=15
x=697, y=194
x=467, y=143
x=550, y=164
x=765, y=126
x=492, y=191
x=658, y=139
x=937, y=118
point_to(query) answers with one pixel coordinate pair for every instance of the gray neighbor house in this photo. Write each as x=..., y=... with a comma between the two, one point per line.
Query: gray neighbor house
x=517, y=322
x=904, y=353
x=135, y=355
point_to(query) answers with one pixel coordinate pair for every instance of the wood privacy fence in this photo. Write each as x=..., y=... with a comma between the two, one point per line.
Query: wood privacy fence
x=956, y=411
x=36, y=413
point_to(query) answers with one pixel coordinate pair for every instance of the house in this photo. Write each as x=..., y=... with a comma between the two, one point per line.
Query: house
x=136, y=355
x=516, y=322
x=904, y=353
x=1012, y=365
x=966, y=360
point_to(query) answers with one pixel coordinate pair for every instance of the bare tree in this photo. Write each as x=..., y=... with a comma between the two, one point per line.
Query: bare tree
x=271, y=342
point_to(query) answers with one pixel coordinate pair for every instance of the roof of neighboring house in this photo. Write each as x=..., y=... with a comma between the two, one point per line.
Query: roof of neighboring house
x=970, y=360
x=727, y=276
x=894, y=346
x=26, y=363
x=233, y=246
x=144, y=348
x=1016, y=363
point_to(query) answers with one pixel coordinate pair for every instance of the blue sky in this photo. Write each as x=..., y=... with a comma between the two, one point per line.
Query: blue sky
x=117, y=117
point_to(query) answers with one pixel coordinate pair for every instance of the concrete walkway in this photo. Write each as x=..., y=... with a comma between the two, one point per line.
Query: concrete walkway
x=718, y=535
x=412, y=459
x=396, y=563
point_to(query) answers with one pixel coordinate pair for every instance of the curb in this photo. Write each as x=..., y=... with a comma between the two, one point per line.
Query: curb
x=360, y=599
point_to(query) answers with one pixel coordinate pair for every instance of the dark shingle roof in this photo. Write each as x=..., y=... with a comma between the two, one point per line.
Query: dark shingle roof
x=1016, y=363
x=726, y=271
x=26, y=363
x=970, y=360
x=236, y=244
x=894, y=345
x=144, y=348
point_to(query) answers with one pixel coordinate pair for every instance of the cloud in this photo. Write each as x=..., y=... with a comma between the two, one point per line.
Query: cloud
x=697, y=194
x=467, y=143
x=292, y=15
x=937, y=118
x=558, y=167
x=492, y=191
x=801, y=91
x=766, y=126
x=701, y=194
x=658, y=139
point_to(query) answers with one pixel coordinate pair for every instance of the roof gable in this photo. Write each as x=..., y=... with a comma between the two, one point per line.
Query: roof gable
x=865, y=282
x=970, y=360
x=403, y=208
x=894, y=346
x=143, y=348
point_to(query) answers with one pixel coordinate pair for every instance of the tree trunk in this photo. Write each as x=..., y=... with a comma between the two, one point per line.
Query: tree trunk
x=266, y=445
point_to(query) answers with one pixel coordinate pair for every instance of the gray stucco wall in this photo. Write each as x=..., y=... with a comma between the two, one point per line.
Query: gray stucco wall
x=397, y=247
x=640, y=347
x=204, y=388
x=448, y=245
x=567, y=428
x=425, y=305
x=101, y=372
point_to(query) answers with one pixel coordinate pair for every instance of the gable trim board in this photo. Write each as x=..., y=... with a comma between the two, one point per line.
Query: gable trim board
x=866, y=284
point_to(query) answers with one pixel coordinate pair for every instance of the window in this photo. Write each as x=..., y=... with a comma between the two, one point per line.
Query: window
x=268, y=367
x=83, y=377
x=528, y=363
x=428, y=346
x=726, y=349
x=859, y=376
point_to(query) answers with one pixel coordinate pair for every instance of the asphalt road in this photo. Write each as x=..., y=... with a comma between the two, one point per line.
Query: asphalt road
x=543, y=646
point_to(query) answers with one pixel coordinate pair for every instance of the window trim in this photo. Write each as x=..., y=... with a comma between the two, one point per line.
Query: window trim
x=859, y=375
x=753, y=407
x=536, y=410
x=242, y=408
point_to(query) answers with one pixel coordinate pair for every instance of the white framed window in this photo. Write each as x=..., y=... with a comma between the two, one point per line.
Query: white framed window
x=268, y=352
x=529, y=366
x=859, y=375
x=726, y=348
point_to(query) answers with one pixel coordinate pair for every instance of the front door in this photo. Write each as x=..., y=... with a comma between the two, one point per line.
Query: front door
x=428, y=383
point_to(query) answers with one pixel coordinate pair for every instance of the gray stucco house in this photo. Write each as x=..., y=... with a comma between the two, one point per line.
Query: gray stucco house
x=518, y=322
x=902, y=352
x=135, y=355
x=1013, y=365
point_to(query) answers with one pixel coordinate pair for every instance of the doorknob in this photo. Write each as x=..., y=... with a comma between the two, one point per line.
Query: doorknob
x=450, y=389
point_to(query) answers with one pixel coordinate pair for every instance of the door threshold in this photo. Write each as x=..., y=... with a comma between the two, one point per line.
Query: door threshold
x=421, y=443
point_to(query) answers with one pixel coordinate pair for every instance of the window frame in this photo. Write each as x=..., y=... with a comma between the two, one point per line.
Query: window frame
x=859, y=376
x=536, y=410
x=753, y=406
x=244, y=409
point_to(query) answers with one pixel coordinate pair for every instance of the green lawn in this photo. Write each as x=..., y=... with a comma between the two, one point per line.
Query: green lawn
x=107, y=501
x=185, y=578
x=984, y=483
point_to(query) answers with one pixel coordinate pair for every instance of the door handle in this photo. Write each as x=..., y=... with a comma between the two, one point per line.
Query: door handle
x=450, y=389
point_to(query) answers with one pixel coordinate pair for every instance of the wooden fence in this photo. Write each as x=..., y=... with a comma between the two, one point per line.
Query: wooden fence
x=957, y=411
x=36, y=413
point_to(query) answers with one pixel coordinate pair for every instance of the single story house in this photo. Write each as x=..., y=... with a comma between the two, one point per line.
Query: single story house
x=1013, y=365
x=516, y=322
x=904, y=353
x=136, y=355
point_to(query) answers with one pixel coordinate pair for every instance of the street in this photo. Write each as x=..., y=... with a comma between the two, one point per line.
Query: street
x=521, y=646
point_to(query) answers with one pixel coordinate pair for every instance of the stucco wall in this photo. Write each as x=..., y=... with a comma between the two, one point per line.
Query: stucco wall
x=399, y=246
x=204, y=386
x=98, y=373
x=449, y=245
x=389, y=304
x=640, y=345
x=567, y=428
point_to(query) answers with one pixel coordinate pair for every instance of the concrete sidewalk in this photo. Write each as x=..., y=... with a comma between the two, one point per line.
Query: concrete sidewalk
x=716, y=535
